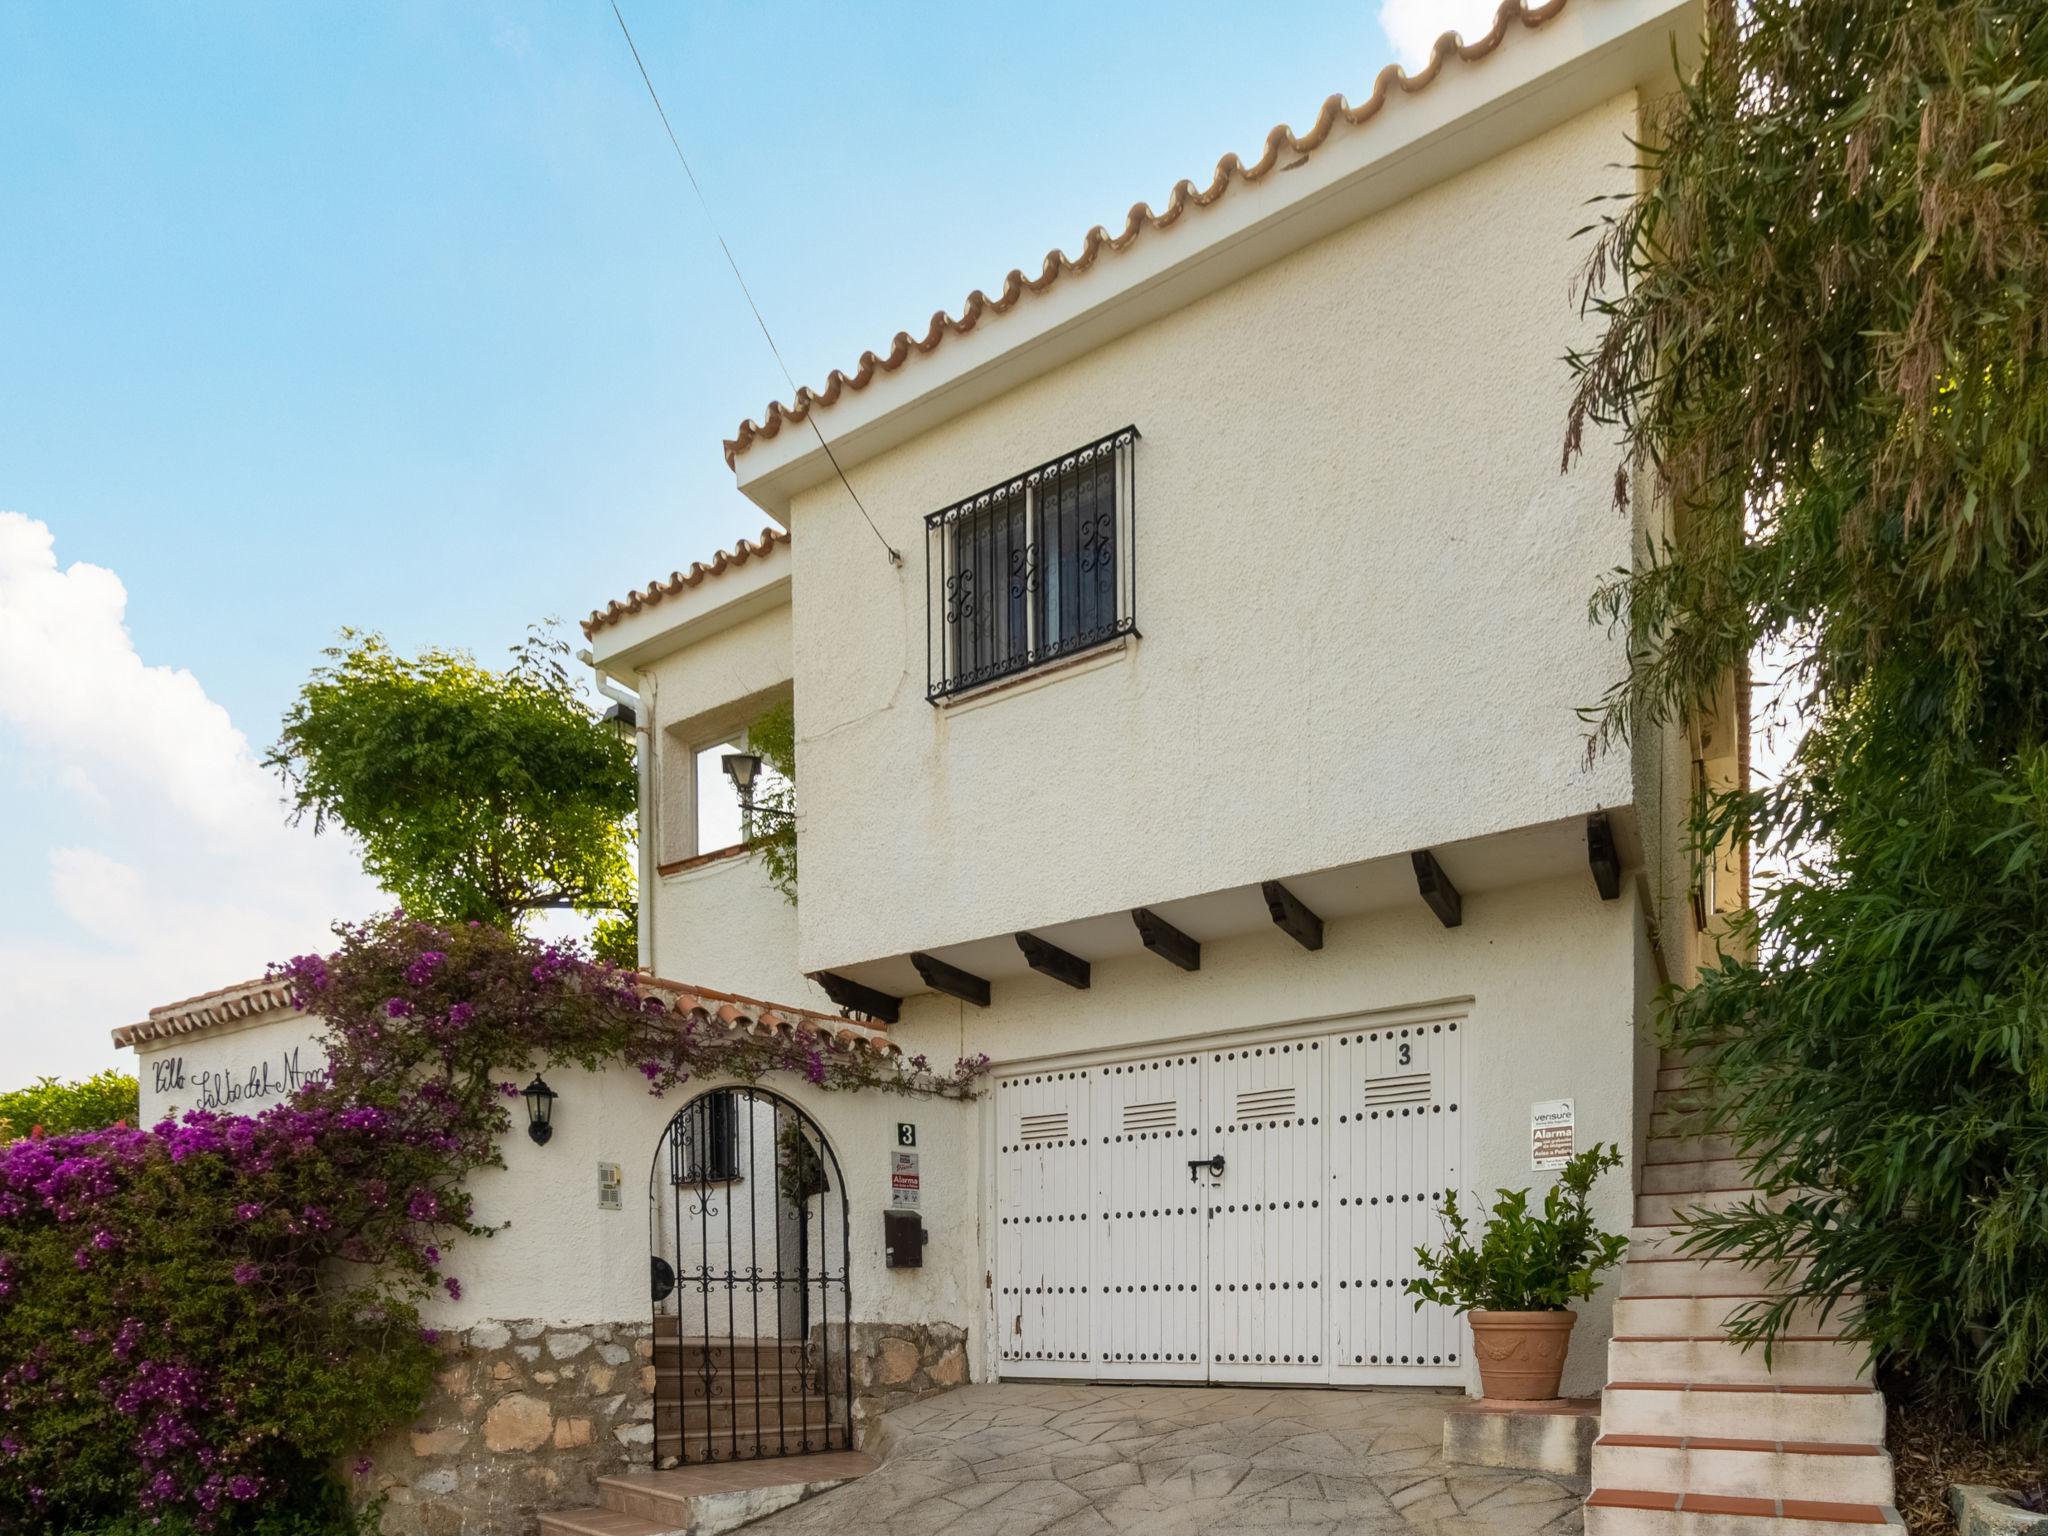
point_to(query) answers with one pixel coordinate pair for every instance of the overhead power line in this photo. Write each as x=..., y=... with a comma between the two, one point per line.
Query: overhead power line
x=810, y=416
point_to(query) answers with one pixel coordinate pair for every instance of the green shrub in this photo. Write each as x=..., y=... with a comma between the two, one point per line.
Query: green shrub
x=1524, y=1262
x=106, y=1098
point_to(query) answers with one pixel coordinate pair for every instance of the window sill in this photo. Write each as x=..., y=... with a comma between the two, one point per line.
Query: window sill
x=1106, y=654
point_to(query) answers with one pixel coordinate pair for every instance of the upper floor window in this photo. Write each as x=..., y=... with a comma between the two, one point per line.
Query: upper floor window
x=1034, y=569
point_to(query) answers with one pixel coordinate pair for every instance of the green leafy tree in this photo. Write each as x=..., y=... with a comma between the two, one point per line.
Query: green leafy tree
x=1825, y=346
x=475, y=794
x=54, y=1108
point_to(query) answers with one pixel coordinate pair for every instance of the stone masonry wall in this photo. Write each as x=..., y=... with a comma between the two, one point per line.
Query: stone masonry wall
x=523, y=1417
x=898, y=1363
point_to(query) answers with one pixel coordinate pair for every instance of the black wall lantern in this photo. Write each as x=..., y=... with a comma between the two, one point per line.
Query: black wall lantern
x=540, y=1110
x=743, y=768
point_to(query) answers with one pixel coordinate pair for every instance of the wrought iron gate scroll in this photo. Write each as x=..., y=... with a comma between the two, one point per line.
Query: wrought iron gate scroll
x=749, y=1240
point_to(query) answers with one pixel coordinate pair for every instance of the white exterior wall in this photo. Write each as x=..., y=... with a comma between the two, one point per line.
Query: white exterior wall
x=1547, y=974
x=719, y=924
x=1353, y=544
x=1549, y=969
x=559, y=1258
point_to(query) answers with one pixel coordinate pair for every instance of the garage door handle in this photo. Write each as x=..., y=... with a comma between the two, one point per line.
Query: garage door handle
x=1197, y=1164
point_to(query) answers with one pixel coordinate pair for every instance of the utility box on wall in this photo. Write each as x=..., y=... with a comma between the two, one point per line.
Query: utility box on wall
x=903, y=1239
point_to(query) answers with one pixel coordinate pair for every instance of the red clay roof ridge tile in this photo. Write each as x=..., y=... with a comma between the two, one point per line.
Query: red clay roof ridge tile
x=1281, y=143
x=679, y=582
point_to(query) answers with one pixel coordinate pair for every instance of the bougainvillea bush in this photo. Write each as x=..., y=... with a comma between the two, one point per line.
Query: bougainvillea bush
x=201, y=1320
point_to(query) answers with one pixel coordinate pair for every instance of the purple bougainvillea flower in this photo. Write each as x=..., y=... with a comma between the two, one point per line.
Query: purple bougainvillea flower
x=247, y=1273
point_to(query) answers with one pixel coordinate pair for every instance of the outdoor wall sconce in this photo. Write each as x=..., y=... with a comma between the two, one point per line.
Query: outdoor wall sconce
x=540, y=1110
x=743, y=768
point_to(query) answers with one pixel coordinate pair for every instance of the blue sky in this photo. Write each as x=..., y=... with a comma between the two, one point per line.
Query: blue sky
x=401, y=316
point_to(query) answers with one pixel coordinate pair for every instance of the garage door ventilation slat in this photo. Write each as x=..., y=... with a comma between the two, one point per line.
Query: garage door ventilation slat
x=1265, y=1104
x=1046, y=1127
x=1403, y=1088
x=1149, y=1117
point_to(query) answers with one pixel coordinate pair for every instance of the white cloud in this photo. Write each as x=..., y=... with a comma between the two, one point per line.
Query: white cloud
x=1413, y=26
x=163, y=852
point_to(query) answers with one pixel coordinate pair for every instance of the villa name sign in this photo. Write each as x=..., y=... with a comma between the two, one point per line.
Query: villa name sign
x=236, y=1086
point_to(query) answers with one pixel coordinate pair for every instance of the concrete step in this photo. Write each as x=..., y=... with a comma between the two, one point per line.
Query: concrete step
x=1678, y=1077
x=1667, y=1241
x=1640, y=1512
x=1795, y=1361
x=1674, y=1122
x=1841, y=1414
x=1784, y=1469
x=1679, y=1100
x=723, y=1447
x=1672, y=1148
x=1654, y=1210
x=1658, y=1276
x=1698, y=1314
x=1701, y=1173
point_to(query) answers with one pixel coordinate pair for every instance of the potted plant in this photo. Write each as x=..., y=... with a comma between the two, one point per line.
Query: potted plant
x=1517, y=1283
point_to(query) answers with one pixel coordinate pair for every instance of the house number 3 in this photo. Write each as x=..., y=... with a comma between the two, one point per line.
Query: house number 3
x=1407, y=1054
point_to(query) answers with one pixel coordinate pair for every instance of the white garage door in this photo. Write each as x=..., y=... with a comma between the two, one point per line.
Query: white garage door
x=1237, y=1213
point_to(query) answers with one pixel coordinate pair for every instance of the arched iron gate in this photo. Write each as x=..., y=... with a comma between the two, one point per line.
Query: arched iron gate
x=753, y=1304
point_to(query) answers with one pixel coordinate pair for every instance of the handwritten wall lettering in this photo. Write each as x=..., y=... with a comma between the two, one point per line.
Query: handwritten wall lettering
x=272, y=1077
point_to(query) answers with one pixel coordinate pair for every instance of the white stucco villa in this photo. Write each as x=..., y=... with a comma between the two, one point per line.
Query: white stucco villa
x=1204, y=748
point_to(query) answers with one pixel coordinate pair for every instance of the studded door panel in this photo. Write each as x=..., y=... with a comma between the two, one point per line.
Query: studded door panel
x=1044, y=1198
x=1263, y=1107
x=1394, y=1151
x=1147, y=1227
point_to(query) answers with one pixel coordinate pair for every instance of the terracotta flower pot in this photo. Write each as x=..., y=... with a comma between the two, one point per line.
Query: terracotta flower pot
x=1521, y=1354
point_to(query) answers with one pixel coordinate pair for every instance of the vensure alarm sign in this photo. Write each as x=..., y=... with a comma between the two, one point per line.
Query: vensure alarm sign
x=1553, y=1132
x=904, y=1184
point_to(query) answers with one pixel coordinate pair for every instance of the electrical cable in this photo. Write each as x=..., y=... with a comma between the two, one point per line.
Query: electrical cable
x=810, y=416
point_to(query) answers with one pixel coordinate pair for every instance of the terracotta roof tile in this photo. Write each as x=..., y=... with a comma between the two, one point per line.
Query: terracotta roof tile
x=223, y=1005
x=679, y=582
x=1283, y=145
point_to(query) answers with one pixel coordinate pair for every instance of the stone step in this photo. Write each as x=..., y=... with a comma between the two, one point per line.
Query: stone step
x=723, y=1447
x=1699, y=1173
x=692, y=1386
x=742, y=1355
x=1657, y=1210
x=766, y=1412
x=1784, y=1469
x=1672, y=1056
x=604, y=1522
x=1640, y=1512
x=1843, y=1414
x=1795, y=1361
x=1674, y=1148
x=1696, y=1314
x=704, y=1500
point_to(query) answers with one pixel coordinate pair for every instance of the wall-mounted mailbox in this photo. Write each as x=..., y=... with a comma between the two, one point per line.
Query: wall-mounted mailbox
x=903, y=1238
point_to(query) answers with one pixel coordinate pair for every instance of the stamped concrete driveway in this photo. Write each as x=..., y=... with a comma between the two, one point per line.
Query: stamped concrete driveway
x=1020, y=1459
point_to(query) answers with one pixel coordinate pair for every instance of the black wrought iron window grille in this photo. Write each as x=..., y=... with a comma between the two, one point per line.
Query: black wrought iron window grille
x=1033, y=570
x=707, y=1144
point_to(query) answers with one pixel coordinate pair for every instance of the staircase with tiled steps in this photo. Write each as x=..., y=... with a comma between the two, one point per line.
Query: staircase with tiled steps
x=760, y=1430
x=1698, y=1436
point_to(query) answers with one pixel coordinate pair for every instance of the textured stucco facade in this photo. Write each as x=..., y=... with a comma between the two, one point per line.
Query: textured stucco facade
x=1354, y=546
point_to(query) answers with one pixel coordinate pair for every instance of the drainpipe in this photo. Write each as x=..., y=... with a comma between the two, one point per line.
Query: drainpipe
x=643, y=770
